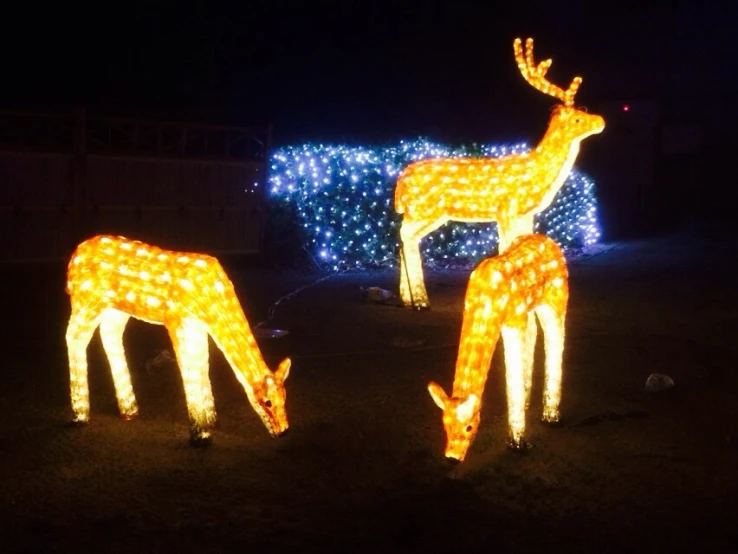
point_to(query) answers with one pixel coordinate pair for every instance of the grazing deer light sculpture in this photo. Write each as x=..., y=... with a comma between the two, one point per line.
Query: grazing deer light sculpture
x=504, y=296
x=110, y=279
x=510, y=190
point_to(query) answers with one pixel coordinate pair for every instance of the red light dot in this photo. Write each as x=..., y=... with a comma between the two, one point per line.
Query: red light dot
x=626, y=107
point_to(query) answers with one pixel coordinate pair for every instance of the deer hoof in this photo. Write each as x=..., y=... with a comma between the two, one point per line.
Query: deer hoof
x=520, y=446
x=201, y=439
x=553, y=423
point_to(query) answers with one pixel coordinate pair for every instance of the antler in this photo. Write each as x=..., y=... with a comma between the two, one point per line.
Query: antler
x=536, y=75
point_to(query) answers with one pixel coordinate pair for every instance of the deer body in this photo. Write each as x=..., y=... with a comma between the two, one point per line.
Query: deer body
x=474, y=190
x=510, y=190
x=111, y=279
x=504, y=295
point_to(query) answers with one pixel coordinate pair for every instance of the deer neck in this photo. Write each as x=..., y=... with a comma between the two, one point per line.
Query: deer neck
x=231, y=332
x=480, y=332
x=555, y=158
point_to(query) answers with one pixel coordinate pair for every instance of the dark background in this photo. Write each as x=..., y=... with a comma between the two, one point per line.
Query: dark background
x=363, y=70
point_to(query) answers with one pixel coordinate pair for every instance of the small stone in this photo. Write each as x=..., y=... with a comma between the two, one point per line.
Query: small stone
x=377, y=295
x=658, y=382
x=161, y=359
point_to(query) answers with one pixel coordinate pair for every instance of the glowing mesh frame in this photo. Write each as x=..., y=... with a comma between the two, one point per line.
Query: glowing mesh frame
x=510, y=190
x=110, y=279
x=504, y=295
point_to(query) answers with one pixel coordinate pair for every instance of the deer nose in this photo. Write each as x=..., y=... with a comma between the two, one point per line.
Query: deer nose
x=452, y=461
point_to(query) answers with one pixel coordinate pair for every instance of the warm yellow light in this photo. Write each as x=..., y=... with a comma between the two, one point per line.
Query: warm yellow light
x=510, y=190
x=504, y=296
x=110, y=279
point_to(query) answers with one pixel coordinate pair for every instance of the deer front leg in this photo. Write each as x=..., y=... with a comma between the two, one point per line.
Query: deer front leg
x=513, y=339
x=112, y=324
x=190, y=340
x=553, y=336
x=412, y=282
x=82, y=324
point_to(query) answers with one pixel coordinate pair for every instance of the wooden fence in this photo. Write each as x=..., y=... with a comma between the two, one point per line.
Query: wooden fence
x=64, y=177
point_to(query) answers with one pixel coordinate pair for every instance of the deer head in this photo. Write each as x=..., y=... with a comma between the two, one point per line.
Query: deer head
x=268, y=397
x=573, y=124
x=460, y=421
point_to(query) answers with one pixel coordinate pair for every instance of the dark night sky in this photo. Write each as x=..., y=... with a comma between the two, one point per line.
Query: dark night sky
x=340, y=70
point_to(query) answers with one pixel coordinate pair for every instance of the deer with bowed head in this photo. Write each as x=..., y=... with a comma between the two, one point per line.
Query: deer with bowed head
x=504, y=295
x=110, y=279
x=510, y=190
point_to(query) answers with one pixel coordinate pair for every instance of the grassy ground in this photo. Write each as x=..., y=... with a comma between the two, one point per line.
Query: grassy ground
x=362, y=469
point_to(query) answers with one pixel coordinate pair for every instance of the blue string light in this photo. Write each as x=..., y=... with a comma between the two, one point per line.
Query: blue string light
x=344, y=195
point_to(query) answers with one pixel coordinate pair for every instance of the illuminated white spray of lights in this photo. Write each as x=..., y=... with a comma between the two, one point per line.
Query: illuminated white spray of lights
x=343, y=198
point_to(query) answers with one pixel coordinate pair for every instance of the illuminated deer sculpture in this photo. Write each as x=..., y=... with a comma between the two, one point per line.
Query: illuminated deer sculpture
x=110, y=279
x=503, y=298
x=510, y=190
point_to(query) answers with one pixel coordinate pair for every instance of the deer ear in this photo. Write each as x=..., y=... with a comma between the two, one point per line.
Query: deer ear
x=465, y=410
x=283, y=370
x=438, y=395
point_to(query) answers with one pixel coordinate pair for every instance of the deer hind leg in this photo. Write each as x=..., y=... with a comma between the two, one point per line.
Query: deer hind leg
x=529, y=353
x=81, y=326
x=553, y=336
x=190, y=341
x=513, y=340
x=412, y=282
x=112, y=324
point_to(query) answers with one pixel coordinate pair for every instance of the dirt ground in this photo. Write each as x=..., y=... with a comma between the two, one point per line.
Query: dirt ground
x=362, y=469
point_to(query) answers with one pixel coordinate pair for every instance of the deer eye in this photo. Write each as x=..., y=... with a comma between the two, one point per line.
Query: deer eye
x=268, y=403
x=468, y=428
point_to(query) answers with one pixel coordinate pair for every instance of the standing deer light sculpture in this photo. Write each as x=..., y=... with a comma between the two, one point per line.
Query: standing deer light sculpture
x=510, y=190
x=110, y=279
x=504, y=295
